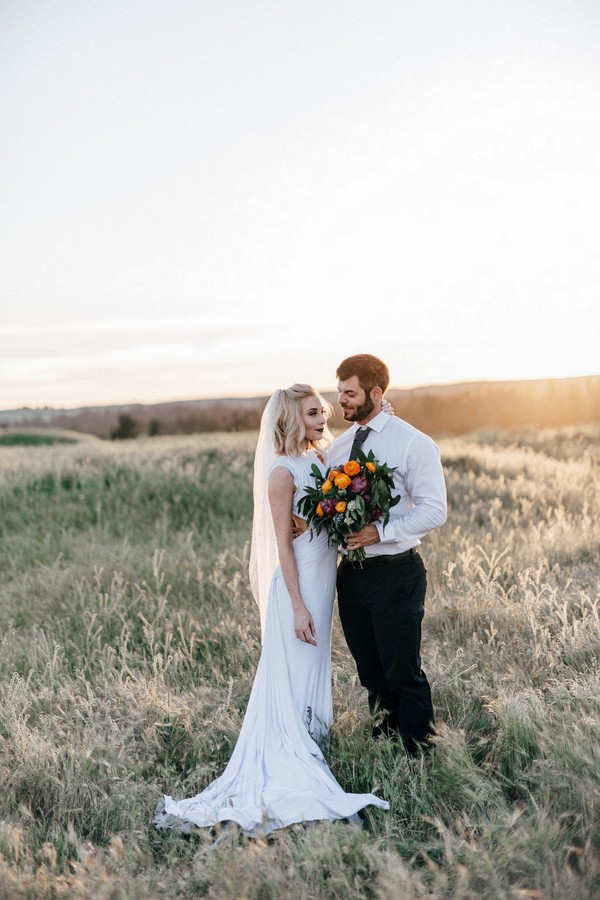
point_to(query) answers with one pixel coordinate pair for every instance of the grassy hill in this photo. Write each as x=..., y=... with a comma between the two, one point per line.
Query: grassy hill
x=129, y=640
x=30, y=436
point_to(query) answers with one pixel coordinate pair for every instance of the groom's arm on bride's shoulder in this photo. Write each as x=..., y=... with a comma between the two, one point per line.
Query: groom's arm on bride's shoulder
x=425, y=489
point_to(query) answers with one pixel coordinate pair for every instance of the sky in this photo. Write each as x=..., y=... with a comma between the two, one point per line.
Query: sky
x=222, y=197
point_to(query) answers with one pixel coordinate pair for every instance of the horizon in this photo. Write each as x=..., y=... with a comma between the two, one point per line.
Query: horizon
x=321, y=390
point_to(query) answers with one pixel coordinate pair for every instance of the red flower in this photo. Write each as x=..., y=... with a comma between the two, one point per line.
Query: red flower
x=328, y=507
x=359, y=484
x=375, y=514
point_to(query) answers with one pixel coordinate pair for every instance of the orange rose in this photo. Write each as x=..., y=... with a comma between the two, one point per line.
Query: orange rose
x=342, y=481
x=326, y=486
x=319, y=510
x=340, y=506
x=334, y=474
x=371, y=466
x=352, y=468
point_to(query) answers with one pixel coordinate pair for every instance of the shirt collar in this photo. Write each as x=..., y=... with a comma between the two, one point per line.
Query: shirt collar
x=377, y=424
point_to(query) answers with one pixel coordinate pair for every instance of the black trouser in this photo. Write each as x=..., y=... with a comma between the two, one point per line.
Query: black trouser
x=381, y=609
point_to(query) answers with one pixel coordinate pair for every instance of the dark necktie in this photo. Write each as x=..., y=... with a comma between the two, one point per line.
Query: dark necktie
x=359, y=439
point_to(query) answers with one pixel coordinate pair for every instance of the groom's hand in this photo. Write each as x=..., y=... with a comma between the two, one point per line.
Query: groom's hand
x=364, y=538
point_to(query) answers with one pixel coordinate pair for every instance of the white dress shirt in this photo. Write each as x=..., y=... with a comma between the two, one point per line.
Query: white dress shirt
x=418, y=479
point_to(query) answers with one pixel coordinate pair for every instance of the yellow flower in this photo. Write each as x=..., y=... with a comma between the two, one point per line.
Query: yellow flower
x=326, y=486
x=334, y=474
x=352, y=468
x=370, y=466
x=340, y=506
x=342, y=481
x=319, y=510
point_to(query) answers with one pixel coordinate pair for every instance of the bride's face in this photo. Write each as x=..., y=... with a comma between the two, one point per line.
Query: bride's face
x=314, y=418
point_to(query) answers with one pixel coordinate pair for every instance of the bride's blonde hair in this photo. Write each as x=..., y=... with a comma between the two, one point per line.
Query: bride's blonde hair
x=289, y=426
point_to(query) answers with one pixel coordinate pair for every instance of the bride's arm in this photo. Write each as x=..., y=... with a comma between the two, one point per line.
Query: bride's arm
x=281, y=490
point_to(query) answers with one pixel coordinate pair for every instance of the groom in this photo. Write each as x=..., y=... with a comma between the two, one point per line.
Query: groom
x=381, y=601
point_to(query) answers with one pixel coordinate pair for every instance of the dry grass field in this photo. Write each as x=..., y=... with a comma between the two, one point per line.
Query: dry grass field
x=129, y=638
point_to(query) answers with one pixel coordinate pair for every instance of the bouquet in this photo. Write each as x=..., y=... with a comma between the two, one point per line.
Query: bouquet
x=349, y=497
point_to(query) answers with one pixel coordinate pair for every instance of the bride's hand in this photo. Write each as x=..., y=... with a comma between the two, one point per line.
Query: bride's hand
x=305, y=627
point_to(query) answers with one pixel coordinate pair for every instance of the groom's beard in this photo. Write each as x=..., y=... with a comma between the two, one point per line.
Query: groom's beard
x=361, y=412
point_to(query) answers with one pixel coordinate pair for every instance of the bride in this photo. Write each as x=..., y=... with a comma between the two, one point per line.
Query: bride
x=277, y=774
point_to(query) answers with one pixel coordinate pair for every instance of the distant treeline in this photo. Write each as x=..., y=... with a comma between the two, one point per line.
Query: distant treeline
x=437, y=410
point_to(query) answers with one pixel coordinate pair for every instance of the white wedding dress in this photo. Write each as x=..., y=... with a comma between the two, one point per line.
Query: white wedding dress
x=277, y=774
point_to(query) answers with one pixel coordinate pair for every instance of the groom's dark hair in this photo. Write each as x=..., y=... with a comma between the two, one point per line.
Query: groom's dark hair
x=370, y=371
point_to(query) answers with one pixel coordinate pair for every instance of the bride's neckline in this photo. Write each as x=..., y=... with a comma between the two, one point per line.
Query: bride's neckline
x=304, y=455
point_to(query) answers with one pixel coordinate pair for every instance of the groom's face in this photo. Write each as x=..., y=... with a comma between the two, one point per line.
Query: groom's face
x=355, y=403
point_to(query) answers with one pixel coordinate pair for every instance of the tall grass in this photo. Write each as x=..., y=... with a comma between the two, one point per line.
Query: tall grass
x=129, y=639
